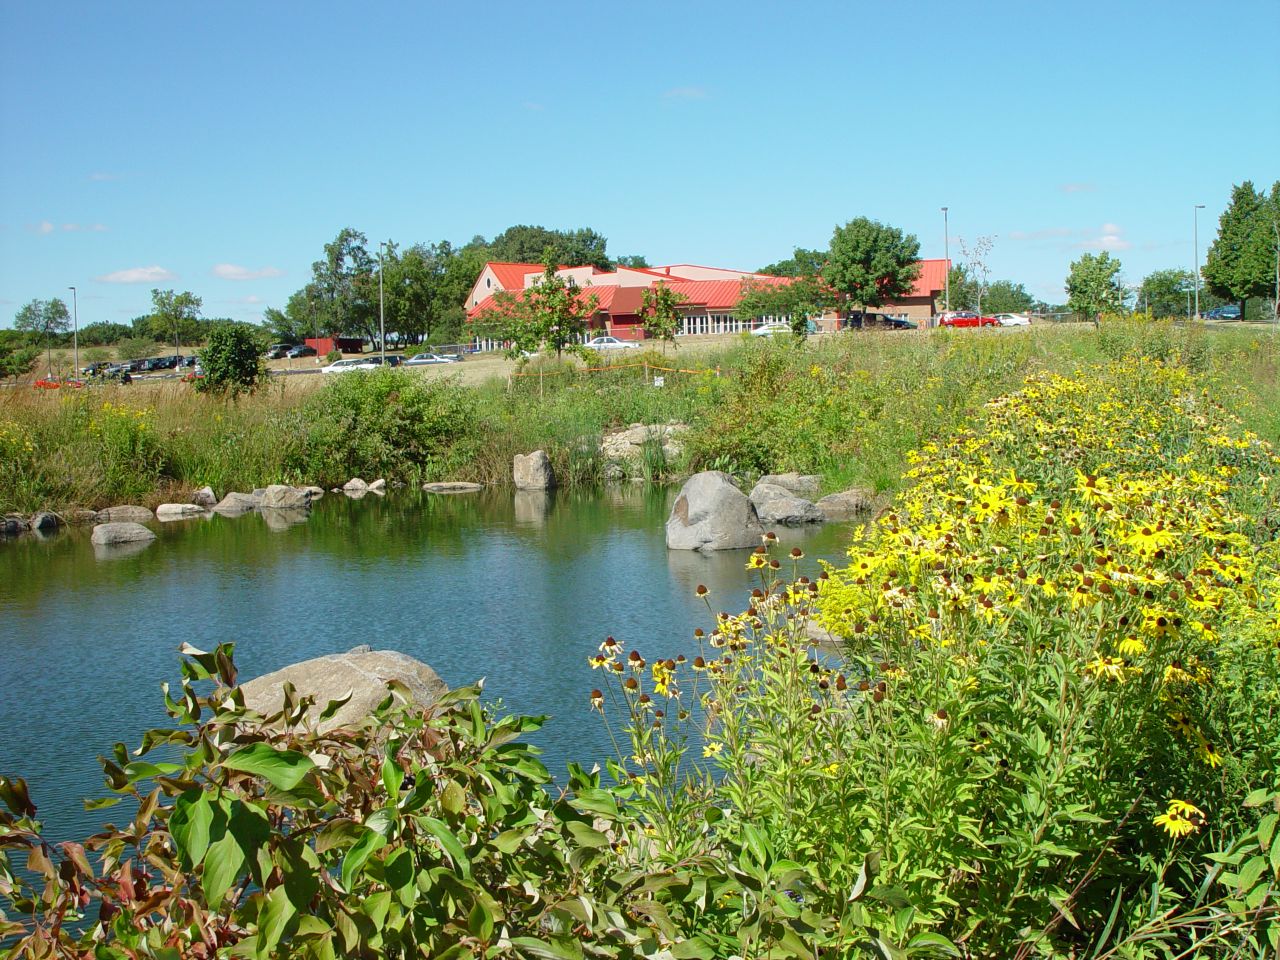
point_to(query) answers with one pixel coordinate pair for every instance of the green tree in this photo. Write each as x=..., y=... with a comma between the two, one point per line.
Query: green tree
x=1005, y=296
x=44, y=320
x=232, y=359
x=1093, y=285
x=660, y=312
x=871, y=263
x=551, y=313
x=346, y=287
x=175, y=317
x=802, y=263
x=963, y=290
x=1241, y=262
x=527, y=244
x=104, y=333
x=632, y=260
x=799, y=301
x=17, y=354
x=1165, y=293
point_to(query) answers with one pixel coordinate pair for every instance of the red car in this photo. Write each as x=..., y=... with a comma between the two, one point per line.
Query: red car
x=967, y=318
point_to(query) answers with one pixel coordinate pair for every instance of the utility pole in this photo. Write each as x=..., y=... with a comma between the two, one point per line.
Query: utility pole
x=382, y=313
x=75, y=332
x=1195, y=220
x=946, y=247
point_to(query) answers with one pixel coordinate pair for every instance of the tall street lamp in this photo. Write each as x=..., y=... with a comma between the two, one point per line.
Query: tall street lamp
x=382, y=313
x=946, y=247
x=1195, y=220
x=75, y=331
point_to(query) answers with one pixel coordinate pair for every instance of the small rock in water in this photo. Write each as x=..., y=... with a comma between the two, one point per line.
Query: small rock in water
x=204, y=497
x=378, y=486
x=109, y=534
x=168, y=512
x=355, y=484
x=533, y=471
x=46, y=521
x=127, y=513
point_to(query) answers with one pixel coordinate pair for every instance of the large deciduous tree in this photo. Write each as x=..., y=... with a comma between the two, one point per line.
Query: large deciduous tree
x=175, y=317
x=1166, y=293
x=1005, y=296
x=801, y=263
x=1093, y=285
x=871, y=263
x=1242, y=261
x=44, y=320
x=804, y=298
x=528, y=244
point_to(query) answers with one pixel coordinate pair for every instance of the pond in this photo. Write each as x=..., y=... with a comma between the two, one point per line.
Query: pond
x=515, y=587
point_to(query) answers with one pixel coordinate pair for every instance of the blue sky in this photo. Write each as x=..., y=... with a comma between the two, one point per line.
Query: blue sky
x=216, y=147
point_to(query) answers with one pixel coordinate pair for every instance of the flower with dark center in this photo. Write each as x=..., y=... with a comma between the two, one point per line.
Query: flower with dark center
x=597, y=700
x=701, y=591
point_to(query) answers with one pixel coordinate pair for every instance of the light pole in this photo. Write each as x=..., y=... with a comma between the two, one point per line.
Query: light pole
x=946, y=247
x=75, y=331
x=382, y=314
x=1195, y=228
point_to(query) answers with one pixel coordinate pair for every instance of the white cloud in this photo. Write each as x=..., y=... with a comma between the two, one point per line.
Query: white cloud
x=153, y=274
x=85, y=227
x=1111, y=237
x=1079, y=188
x=685, y=93
x=43, y=227
x=231, y=271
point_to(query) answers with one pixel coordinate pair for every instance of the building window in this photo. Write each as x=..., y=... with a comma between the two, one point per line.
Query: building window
x=487, y=283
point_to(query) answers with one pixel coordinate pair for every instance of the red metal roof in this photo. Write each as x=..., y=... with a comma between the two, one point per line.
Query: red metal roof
x=931, y=279
x=609, y=299
x=511, y=275
x=720, y=294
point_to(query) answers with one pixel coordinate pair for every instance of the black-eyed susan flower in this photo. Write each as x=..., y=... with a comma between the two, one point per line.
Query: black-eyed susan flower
x=1180, y=819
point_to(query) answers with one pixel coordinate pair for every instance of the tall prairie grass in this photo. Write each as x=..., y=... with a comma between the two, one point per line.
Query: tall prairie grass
x=846, y=407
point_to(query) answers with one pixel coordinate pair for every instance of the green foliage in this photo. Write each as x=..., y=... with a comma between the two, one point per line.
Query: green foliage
x=137, y=348
x=573, y=248
x=383, y=423
x=1165, y=293
x=1093, y=285
x=175, y=317
x=232, y=360
x=802, y=263
x=552, y=314
x=660, y=312
x=104, y=333
x=43, y=318
x=871, y=263
x=1005, y=296
x=17, y=355
x=1244, y=259
x=415, y=832
x=799, y=301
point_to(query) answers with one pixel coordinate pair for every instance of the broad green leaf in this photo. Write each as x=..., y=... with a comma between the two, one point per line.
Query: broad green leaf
x=334, y=706
x=274, y=917
x=189, y=826
x=223, y=862
x=369, y=841
x=693, y=949
x=933, y=942
x=480, y=921
x=283, y=769
x=597, y=801
x=587, y=836
x=449, y=842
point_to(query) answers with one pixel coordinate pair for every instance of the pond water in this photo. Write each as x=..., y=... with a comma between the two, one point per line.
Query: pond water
x=515, y=587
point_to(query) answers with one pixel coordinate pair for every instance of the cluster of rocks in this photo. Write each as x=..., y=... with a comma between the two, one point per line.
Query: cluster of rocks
x=623, y=451
x=711, y=513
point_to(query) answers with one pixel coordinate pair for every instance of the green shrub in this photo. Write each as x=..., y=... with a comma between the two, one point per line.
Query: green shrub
x=383, y=423
x=231, y=360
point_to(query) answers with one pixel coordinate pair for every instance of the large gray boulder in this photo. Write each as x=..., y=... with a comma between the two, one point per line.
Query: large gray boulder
x=775, y=504
x=847, y=504
x=278, y=496
x=533, y=471
x=127, y=513
x=115, y=532
x=168, y=512
x=355, y=485
x=83, y=516
x=712, y=514
x=361, y=672
x=235, y=504
x=204, y=497
x=13, y=525
x=806, y=485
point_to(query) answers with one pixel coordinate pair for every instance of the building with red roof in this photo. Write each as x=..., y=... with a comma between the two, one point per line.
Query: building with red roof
x=709, y=294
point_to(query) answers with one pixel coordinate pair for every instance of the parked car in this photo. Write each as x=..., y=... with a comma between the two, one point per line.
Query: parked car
x=422, y=359
x=351, y=363
x=394, y=359
x=967, y=318
x=278, y=351
x=770, y=329
x=878, y=321
x=301, y=350
x=1013, y=320
x=117, y=371
x=611, y=343
x=188, y=361
x=1228, y=312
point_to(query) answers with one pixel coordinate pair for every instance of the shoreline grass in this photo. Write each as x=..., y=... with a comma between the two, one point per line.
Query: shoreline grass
x=845, y=407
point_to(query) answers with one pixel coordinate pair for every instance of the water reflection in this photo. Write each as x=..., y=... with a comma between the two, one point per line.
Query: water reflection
x=517, y=588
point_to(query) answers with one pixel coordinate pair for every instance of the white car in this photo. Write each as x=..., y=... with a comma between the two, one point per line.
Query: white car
x=422, y=359
x=1013, y=320
x=352, y=363
x=611, y=343
x=771, y=329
